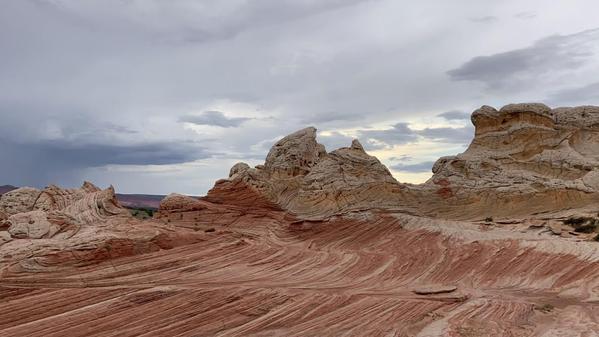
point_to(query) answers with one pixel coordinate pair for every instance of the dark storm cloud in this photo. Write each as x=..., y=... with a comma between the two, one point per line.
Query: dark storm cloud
x=214, y=118
x=588, y=94
x=91, y=155
x=512, y=69
x=413, y=168
x=39, y=163
x=454, y=115
x=54, y=144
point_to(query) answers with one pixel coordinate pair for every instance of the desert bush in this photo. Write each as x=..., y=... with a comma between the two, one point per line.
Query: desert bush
x=583, y=224
x=142, y=213
x=545, y=308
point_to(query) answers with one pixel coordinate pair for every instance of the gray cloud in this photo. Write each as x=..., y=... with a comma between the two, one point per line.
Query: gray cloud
x=516, y=68
x=413, y=168
x=188, y=22
x=403, y=157
x=400, y=133
x=330, y=117
x=526, y=15
x=588, y=94
x=55, y=144
x=454, y=115
x=334, y=140
x=461, y=135
x=484, y=19
x=112, y=78
x=214, y=118
x=38, y=163
x=88, y=155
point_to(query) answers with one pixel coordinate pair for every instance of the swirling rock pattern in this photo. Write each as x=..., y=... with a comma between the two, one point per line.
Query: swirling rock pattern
x=54, y=211
x=56, y=198
x=328, y=244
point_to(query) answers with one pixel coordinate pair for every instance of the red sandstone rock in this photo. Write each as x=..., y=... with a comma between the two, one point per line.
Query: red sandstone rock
x=434, y=290
x=325, y=244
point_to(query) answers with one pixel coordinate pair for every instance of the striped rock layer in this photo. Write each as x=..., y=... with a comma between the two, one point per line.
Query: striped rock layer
x=316, y=243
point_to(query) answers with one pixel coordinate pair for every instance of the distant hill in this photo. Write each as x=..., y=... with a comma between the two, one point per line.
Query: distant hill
x=6, y=188
x=149, y=201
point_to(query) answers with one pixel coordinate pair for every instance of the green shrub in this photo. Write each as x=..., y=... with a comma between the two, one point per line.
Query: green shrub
x=142, y=213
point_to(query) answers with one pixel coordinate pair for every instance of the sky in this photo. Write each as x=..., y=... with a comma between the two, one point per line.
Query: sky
x=157, y=96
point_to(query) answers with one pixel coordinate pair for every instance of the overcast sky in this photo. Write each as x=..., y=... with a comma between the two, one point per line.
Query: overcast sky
x=161, y=96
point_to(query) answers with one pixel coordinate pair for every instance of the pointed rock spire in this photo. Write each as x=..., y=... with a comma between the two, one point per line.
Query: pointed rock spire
x=356, y=145
x=295, y=154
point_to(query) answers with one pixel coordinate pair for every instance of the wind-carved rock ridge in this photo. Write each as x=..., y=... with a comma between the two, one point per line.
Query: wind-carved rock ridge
x=327, y=243
x=300, y=177
x=36, y=214
x=56, y=226
x=524, y=158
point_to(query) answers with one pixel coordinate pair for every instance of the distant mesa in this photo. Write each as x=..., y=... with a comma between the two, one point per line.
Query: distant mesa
x=6, y=188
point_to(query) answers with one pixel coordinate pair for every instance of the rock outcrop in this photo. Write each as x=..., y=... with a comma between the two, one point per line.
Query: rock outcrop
x=300, y=177
x=33, y=214
x=294, y=155
x=56, y=198
x=20, y=200
x=316, y=243
x=524, y=158
x=178, y=202
x=56, y=228
x=32, y=225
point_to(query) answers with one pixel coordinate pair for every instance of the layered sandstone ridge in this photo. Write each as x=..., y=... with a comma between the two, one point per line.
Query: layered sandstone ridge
x=317, y=243
x=58, y=227
x=300, y=177
x=34, y=214
x=524, y=158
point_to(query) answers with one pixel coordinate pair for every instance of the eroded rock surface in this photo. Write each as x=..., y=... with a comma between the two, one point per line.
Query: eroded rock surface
x=82, y=226
x=19, y=200
x=316, y=243
x=524, y=158
x=302, y=178
x=56, y=198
